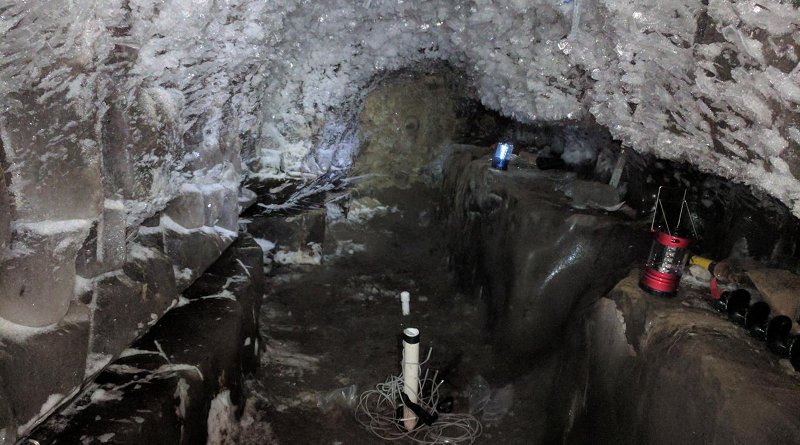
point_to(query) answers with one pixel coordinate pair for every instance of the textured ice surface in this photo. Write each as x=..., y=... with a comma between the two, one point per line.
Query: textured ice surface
x=714, y=84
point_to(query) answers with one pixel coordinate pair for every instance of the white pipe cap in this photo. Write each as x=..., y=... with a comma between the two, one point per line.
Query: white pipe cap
x=405, y=300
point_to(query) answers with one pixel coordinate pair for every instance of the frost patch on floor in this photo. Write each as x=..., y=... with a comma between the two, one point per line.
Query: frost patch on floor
x=101, y=395
x=182, y=395
x=364, y=209
x=222, y=426
x=96, y=361
x=289, y=362
x=277, y=319
x=184, y=275
x=267, y=247
x=284, y=278
x=49, y=406
x=362, y=288
x=345, y=247
x=307, y=399
x=254, y=427
x=310, y=256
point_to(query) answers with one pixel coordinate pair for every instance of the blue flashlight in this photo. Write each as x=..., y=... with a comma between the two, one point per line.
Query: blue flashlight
x=501, y=155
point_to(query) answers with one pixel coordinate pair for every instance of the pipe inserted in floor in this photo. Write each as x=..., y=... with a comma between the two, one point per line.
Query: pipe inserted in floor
x=410, y=374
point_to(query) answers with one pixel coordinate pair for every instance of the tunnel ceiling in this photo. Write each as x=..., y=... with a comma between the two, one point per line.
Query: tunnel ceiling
x=161, y=85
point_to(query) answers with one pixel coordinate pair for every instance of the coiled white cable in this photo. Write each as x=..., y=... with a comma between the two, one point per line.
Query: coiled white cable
x=377, y=412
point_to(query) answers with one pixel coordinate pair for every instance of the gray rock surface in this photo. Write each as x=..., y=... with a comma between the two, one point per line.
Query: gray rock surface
x=122, y=310
x=191, y=252
x=5, y=209
x=779, y=288
x=222, y=208
x=53, y=178
x=535, y=258
x=128, y=280
x=8, y=430
x=32, y=389
x=160, y=390
x=187, y=209
x=665, y=371
x=238, y=272
x=47, y=251
x=104, y=248
x=297, y=238
x=592, y=195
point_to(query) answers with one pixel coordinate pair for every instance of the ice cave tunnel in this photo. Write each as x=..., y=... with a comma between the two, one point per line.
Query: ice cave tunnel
x=434, y=222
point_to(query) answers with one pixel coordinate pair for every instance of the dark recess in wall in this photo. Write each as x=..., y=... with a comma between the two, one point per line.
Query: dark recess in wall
x=732, y=219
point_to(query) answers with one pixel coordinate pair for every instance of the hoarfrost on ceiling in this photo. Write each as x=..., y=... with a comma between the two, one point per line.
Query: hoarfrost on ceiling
x=715, y=85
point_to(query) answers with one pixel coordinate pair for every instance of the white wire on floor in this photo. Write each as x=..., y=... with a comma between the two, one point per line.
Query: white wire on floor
x=377, y=412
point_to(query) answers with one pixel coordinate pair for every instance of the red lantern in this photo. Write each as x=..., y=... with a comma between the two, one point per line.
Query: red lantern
x=664, y=266
x=668, y=254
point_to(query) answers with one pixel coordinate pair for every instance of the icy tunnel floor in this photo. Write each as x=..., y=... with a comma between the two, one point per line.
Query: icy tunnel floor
x=338, y=324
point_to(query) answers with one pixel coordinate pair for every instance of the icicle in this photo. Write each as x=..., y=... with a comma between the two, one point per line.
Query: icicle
x=618, y=168
x=576, y=17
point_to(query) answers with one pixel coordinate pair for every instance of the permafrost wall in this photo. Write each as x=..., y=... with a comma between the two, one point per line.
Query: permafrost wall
x=125, y=125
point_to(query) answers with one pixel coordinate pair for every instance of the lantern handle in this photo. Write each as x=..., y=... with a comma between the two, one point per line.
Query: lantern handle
x=691, y=219
x=683, y=203
x=663, y=212
x=655, y=209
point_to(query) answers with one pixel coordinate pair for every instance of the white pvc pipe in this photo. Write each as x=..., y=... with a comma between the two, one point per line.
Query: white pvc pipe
x=410, y=374
x=405, y=300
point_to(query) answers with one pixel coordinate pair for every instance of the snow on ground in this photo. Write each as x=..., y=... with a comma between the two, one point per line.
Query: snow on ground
x=266, y=245
x=96, y=361
x=345, y=247
x=48, y=407
x=310, y=255
x=363, y=209
x=285, y=356
x=222, y=425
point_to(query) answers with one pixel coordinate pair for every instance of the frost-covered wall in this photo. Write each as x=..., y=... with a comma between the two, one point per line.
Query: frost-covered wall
x=713, y=83
x=125, y=124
